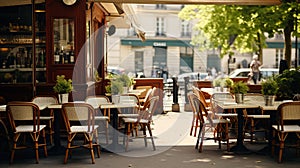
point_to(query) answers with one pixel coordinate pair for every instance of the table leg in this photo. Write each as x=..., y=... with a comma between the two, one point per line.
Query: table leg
x=115, y=147
x=239, y=148
x=57, y=148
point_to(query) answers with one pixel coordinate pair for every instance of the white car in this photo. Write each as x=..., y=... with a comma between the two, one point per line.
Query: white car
x=244, y=72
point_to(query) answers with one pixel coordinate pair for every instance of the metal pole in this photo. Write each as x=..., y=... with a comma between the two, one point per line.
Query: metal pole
x=175, y=105
x=33, y=49
x=296, y=47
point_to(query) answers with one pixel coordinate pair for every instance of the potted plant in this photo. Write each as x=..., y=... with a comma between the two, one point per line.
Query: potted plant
x=288, y=84
x=269, y=89
x=63, y=87
x=114, y=89
x=217, y=84
x=125, y=80
x=226, y=84
x=239, y=89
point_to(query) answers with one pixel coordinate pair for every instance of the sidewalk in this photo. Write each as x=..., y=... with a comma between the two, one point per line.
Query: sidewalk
x=175, y=149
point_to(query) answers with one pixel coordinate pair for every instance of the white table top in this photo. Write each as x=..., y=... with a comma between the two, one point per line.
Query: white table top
x=2, y=108
x=119, y=105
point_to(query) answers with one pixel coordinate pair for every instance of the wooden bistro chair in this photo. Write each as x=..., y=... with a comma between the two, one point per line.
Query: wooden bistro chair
x=217, y=112
x=100, y=117
x=287, y=123
x=79, y=119
x=46, y=114
x=129, y=112
x=144, y=120
x=195, y=119
x=218, y=126
x=24, y=118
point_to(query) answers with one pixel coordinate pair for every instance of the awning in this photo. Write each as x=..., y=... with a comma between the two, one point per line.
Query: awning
x=156, y=42
x=211, y=2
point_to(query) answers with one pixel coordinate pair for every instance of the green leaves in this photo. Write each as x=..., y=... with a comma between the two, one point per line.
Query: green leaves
x=269, y=87
x=240, y=87
x=62, y=85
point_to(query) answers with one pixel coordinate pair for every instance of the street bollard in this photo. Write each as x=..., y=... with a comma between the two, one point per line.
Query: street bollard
x=175, y=105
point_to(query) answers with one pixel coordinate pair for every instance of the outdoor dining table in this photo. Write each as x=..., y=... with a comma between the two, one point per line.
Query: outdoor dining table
x=239, y=148
x=57, y=147
x=249, y=103
x=115, y=146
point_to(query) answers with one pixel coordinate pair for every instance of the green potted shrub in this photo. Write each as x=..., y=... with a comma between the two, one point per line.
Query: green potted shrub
x=226, y=84
x=288, y=84
x=63, y=87
x=239, y=89
x=217, y=84
x=269, y=89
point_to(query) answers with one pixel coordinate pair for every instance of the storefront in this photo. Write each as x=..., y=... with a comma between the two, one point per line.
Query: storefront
x=46, y=38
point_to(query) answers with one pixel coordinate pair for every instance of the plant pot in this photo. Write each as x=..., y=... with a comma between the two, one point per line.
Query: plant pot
x=269, y=100
x=63, y=98
x=217, y=89
x=239, y=98
x=115, y=99
x=225, y=89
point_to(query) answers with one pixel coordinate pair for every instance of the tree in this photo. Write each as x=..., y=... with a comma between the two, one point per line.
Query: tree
x=244, y=27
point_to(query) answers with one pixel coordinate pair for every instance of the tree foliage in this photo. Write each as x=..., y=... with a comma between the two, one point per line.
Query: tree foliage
x=242, y=28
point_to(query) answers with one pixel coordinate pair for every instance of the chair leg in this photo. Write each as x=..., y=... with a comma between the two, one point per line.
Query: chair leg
x=68, y=148
x=12, y=153
x=45, y=143
x=144, y=134
x=196, y=127
x=97, y=143
x=199, y=134
x=227, y=136
x=192, y=127
x=202, y=138
x=281, y=146
x=36, y=146
x=128, y=125
x=150, y=133
x=91, y=150
x=106, y=132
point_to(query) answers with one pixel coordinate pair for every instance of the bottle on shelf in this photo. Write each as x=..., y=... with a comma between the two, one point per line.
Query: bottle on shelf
x=61, y=55
x=56, y=56
x=67, y=57
x=72, y=56
x=29, y=62
x=25, y=57
x=41, y=59
x=18, y=58
x=10, y=61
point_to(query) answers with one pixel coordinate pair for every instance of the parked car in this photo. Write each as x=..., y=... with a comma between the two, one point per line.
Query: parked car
x=115, y=70
x=193, y=76
x=244, y=72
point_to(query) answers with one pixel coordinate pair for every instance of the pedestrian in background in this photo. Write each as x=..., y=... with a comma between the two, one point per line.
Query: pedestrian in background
x=254, y=65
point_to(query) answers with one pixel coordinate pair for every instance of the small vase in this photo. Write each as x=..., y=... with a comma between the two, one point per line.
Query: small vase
x=115, y=99
x=239, y=98
x=269, y=100
x=63, y=98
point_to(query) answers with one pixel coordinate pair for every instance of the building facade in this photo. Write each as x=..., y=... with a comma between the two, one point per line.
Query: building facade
x=167, y=47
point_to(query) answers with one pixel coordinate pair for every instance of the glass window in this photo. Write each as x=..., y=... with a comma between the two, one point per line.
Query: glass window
x=63, y=31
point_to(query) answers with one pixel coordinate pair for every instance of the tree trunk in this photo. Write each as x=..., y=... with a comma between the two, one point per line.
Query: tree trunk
x=260, y=48
x=288, y=42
